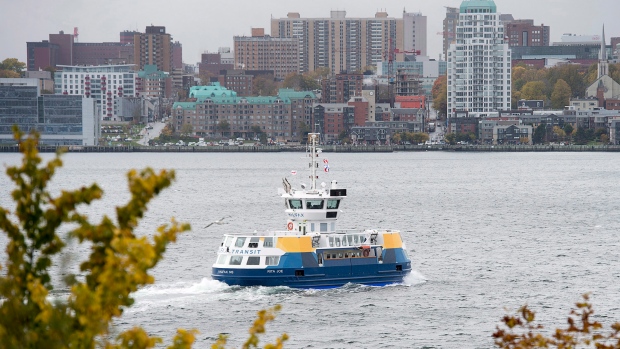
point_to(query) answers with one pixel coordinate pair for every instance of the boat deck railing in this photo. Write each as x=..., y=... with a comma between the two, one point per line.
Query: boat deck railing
x=295, y=233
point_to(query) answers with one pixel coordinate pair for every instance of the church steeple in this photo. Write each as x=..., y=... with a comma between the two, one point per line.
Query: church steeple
x=603, y=66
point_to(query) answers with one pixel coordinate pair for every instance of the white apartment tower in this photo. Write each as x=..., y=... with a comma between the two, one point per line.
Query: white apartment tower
x=478, y=63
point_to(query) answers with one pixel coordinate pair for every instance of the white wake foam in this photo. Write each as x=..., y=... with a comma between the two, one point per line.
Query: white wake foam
x=415, y=278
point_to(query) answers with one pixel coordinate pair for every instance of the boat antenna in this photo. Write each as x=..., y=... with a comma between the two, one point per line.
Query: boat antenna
x=313, y=155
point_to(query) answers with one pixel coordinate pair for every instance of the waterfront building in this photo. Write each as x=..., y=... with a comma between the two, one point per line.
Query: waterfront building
x=105, y=84
x=479, y=62
x=350, y=44
x=381, y=132
x=60, y=119
x=220, y=112
x=263, y=52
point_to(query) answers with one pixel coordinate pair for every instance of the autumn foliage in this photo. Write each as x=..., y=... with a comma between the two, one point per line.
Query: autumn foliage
x=118, y=263
x=521, y=331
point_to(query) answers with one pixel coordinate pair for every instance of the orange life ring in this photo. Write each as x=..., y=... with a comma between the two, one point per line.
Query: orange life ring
x=290, y=225
x=366, y=252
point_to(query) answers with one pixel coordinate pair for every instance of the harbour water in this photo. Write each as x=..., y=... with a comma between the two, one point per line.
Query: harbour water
x=487, y=233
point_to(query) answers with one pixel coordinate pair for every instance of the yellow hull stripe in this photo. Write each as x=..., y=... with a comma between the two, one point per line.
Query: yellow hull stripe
x=295, y=244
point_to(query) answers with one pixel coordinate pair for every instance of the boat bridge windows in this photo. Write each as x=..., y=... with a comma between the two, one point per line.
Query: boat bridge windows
x=295, y=204
x=314, y=204
x=332, y=204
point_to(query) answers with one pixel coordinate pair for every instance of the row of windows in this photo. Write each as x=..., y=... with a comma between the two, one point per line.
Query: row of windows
x=313, y=204
x=252, y=242
x=249, y=260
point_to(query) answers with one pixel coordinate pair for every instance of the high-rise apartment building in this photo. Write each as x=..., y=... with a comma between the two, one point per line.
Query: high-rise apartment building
x=414, y=32
x=263, y=52
x=479, y=62
x=154, y=47
x=449, y=28
x=350, y=44
x=523, y=32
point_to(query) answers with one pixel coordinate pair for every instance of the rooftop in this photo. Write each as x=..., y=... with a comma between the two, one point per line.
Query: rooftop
x=478, y=6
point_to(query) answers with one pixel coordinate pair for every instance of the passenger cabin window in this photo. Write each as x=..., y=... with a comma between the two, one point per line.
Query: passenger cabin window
x=272, y=260
x=222, y=259
x=229, y=240
x=323, y=227
x=268, y=242
x=332, y=204
x=295, y=204
x=236, y=260
x=240, y=242
x=314, y=204
x=254, y=242
x=253, y=261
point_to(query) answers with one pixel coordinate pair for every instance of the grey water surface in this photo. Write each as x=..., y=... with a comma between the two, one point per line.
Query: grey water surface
x=487, y=233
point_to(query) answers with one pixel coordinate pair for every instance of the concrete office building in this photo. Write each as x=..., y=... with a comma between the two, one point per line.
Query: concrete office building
x=263, y=52
x=478, y=63
x=414, y=32
x=60, y=119
x=350, y=44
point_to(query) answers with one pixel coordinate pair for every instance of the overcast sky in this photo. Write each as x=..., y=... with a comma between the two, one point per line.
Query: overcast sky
x=205, y=25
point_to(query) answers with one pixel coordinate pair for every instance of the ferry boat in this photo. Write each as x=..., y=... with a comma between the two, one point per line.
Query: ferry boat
x=312, y=252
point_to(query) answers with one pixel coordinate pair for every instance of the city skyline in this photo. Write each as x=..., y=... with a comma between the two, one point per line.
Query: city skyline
x=208, y=26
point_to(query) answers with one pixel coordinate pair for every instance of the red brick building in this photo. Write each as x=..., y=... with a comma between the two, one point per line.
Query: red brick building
x=341, y=87
x=523, y=32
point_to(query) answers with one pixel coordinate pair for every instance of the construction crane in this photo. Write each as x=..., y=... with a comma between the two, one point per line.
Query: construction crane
x=390, y=56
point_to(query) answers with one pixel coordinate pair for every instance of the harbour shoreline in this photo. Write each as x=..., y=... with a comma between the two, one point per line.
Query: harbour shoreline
x=325, y=148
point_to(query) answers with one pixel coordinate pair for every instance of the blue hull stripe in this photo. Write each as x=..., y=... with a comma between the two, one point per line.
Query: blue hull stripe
x=322, y=277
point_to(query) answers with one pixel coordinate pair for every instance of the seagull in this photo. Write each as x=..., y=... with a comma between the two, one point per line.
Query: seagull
x=215, y=222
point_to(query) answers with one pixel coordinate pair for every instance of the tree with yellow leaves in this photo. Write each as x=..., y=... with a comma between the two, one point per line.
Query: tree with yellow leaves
x=117, y=266
x=521, y=331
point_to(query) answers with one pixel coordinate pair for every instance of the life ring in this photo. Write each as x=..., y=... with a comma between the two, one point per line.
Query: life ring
x=366, y=252
x=289, y=226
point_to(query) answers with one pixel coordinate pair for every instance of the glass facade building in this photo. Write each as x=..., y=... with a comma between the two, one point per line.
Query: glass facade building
x=60, y=119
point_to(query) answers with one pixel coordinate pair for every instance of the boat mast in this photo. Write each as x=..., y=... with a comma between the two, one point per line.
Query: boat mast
x=313, y=155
